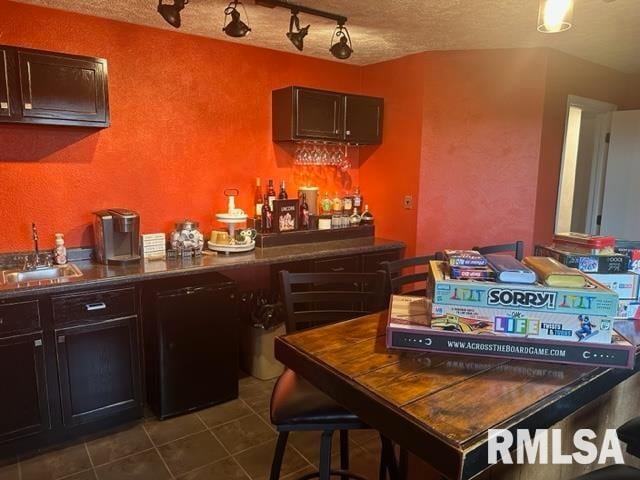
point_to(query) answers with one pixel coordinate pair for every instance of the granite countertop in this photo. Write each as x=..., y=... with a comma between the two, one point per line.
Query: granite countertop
x=98, y=275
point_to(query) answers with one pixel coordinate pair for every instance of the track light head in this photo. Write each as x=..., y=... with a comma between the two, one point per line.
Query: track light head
x=236, y=27
x=171, y=13
x=342, y=48
x=297, y=37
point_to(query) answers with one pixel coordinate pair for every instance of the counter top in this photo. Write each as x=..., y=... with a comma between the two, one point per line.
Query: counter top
x=98, y=275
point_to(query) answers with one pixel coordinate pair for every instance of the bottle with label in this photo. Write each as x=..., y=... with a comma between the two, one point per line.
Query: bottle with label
x=60, y=252
x=357, y=198
x=354, y=219
x=271, y=194
x=304, y=212
x=283, y=192
x=326, y=203
x=258, y=198
x=337, y=204
x=366, y=217
x=267, y=217
x=347, y=201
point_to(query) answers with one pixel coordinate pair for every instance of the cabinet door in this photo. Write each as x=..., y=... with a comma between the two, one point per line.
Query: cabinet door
x=4, y=84
x=99, y=369
x=62, y=89
x=199, y=346
x=318, y=114
x=363, y=119
x=25, y=409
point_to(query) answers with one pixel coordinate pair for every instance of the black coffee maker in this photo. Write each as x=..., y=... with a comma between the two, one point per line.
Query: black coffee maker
x=117, y=236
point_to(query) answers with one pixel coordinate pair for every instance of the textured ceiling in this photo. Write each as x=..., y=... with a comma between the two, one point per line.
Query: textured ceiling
x=604, y=31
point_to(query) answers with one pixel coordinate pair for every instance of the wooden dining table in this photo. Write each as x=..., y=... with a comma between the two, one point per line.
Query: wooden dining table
x=438, y=406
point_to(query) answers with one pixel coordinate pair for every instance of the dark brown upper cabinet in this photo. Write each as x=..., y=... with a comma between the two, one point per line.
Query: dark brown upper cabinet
x=55, y=89
x=4, y=85
x=300, y=114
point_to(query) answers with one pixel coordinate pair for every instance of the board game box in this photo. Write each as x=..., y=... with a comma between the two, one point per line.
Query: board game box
x=415, y=332
x=595, y=299
x=524, y=323
x=624, y=284
x=464, y=258
x=610, y=263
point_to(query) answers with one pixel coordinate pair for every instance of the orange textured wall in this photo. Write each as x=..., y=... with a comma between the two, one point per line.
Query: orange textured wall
x=482, y=118
x=190, y=117
x=389, y=172
x=568, y=75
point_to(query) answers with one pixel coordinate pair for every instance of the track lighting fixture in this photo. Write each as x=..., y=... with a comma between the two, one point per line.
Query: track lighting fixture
x=342, y=48
x=171, y=13
x=236, y=27
x=297, y=37
x=555, y=15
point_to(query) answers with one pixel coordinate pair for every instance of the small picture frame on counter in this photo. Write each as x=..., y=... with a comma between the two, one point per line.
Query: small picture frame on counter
x=285, y=215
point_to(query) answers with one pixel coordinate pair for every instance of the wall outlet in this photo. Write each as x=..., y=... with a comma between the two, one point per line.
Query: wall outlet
x=408, y=202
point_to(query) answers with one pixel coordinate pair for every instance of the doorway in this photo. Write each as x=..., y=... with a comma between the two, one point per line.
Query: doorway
x=584, y=164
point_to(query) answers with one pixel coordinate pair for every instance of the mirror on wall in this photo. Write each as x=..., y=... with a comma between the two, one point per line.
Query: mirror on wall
x=583, y=168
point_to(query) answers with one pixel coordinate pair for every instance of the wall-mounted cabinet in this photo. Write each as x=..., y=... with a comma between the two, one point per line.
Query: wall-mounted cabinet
x=300, y=114
x=52, y=88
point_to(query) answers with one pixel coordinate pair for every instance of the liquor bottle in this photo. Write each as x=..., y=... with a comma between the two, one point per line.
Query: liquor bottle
x=304, y=212
x=357, y=197
x=266, y=215
x=271, y=194
x=283, y=192
x=258, y=198
x=326, y=203
x=354, y=219
x=337, y=204
x=347, y=201
x=366, y=218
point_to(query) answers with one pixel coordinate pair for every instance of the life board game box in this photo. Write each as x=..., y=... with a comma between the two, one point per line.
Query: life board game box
x=610, y=263
x=594, y=299
x=524, y=323
x=405, y=333
x=624, y=284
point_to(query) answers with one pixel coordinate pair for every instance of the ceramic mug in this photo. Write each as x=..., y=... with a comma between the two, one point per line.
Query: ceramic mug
x=222, y=238
x=246, y=235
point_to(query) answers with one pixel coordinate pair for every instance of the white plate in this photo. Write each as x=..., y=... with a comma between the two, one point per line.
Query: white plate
x=241, y=247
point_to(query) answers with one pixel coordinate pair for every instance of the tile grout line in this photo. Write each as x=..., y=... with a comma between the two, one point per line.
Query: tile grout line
x=93, y=467
x=171, y=475
x=225, y=448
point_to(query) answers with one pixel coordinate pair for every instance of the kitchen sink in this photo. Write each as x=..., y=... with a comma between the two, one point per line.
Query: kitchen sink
x=52, y=274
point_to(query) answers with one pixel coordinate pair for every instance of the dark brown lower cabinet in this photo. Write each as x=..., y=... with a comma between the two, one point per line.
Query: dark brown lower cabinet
x=24, y=392
x=99, y=369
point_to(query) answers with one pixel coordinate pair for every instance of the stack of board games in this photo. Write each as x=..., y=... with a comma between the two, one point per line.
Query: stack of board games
x=537, y=311
x=468, y=264
x=410, y=326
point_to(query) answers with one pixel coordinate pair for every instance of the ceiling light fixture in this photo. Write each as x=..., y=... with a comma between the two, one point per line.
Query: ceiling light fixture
x=555, y=15
x=342, y=49
x=297, y=37
x=235, y=28
x=171, y=13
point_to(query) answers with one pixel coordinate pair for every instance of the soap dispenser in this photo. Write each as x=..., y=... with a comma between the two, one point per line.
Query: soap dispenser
x=60, y=252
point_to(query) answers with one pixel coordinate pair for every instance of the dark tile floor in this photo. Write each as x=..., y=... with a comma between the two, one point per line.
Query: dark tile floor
x=232, y=441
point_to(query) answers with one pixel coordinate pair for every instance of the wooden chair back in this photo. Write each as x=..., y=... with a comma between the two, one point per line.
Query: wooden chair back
x=517, y=248
x=409, y=273
x=315, y=299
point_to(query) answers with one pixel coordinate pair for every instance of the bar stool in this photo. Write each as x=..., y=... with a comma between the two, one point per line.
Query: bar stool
x=517, y=248
x=296, y=405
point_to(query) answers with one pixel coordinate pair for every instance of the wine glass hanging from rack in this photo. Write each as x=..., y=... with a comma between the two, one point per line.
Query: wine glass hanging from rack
x=322, y=153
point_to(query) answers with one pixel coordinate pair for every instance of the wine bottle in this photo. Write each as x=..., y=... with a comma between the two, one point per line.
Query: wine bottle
x=266, y=215
x=283, y=192
x=258, y=198
x=271, y=194
x=304, y=212
x=357, y=197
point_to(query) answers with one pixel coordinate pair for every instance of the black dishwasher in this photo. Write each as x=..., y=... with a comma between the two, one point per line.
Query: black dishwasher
x=191, y=344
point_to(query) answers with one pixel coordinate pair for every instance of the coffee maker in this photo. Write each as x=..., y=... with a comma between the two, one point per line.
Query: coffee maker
x=117, y=232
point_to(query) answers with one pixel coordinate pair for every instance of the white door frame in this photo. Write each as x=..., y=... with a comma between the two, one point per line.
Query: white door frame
x=598, y=169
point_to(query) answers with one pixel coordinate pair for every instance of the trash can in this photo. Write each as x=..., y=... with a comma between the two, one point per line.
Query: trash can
x=263, y=320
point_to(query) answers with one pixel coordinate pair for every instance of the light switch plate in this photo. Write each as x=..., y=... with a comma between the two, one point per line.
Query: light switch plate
x=408, y=202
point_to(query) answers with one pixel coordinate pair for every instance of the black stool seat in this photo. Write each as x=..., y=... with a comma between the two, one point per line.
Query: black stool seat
x=296, y=402
x=613, y=472
x=629, y=432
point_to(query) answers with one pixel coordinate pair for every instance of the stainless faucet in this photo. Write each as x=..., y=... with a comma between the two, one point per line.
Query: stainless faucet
x=34, y=262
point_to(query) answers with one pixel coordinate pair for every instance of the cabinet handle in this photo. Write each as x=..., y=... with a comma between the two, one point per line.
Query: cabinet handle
x=4, y=105
x=61, y=339
x=1, y=321
x=37, y=343
x=95, y=306
x=348, y=132
x=28, y=106
x=337, y=269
